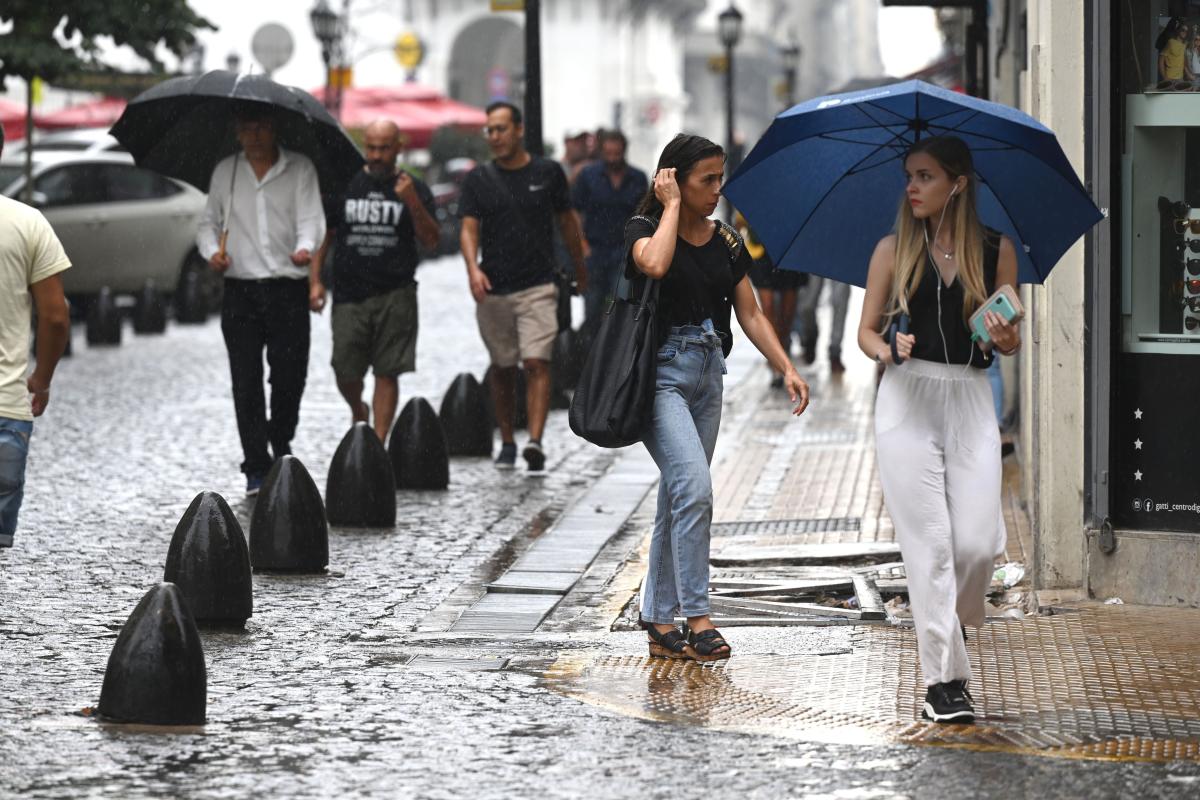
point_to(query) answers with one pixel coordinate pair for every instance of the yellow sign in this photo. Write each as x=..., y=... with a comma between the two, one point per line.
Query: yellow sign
x=508, y=5
x=409, y=51
x=717, y=64
x=341, y=77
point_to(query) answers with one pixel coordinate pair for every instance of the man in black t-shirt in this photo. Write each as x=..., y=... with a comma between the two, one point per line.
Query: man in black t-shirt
x=375, y=227
x=510, y=206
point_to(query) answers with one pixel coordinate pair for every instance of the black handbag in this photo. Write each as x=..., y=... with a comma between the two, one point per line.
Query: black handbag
x=614, y=397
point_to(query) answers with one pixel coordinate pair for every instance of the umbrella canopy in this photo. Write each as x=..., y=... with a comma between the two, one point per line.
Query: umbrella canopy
x=184, y=126
x=95, y=114
x=823, y=184
x=417, y=110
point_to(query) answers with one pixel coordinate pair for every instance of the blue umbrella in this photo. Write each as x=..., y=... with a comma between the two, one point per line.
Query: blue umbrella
x=823, y=184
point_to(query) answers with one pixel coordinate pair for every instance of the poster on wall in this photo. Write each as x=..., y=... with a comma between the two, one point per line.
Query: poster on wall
x=1175, y=47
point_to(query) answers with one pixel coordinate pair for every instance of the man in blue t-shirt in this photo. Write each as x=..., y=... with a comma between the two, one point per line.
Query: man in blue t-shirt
x=607, y=193
x=509, y=207
x=375, y=227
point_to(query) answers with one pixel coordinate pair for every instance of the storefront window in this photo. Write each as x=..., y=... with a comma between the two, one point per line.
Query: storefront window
x=1156, y=374
x=1161, y=190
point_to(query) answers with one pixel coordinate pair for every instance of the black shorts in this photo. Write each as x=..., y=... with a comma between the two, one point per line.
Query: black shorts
x=764, y=275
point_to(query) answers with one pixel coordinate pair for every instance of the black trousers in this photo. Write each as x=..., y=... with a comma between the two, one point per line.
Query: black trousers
x=271, y=314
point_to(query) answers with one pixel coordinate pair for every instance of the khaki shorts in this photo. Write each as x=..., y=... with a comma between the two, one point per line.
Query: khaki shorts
x=519, y=326
x=379, y=332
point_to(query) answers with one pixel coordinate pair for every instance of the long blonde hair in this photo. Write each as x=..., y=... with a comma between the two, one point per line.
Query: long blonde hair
x=953, y=155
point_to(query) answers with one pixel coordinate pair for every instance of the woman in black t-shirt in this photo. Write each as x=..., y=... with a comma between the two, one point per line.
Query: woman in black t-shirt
x=936, y=436
x=702, y=266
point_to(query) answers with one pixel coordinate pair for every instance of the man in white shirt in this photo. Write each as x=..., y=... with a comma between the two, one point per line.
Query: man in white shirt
x=31, y=259
x=262, y=224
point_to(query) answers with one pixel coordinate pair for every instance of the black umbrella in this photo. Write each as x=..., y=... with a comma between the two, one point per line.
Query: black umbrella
x=184, y=126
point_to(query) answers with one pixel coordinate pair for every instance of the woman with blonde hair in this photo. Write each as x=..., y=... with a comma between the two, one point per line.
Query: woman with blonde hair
x=937, y=442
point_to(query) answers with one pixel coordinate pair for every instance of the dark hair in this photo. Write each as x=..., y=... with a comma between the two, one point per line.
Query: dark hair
x=1, y=138
x=612, y=136
x=681, y=154
x=250, y=111
x=517, y=117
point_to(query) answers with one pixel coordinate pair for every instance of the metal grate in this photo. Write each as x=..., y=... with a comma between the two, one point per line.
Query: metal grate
x=785, y=527
x=1114, y=682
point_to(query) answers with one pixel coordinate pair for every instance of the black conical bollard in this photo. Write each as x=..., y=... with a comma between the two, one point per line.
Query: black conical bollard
x=156, y=672
x=104, y=320
x=465, y=418
x=562, y=369
x=190, y=305
x=210, y=563
x=288, y=530
x=150, y=314
x=418, y=448
x=360, y=491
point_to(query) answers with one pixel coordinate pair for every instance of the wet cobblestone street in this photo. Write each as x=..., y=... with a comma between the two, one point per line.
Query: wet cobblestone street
x=330, y=691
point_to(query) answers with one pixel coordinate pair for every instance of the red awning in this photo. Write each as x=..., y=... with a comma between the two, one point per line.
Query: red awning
x=418, y=110
x=100, y=113
x=12, y=118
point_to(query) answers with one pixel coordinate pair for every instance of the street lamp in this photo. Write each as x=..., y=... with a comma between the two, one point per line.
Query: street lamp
x=791, y=66
x=729, y=29
x=326, y=27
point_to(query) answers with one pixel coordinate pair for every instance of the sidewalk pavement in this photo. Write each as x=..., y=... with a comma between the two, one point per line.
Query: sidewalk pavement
x=1083, y=680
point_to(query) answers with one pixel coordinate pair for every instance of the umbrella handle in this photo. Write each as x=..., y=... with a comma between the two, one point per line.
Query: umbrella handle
x=899, y=326
x=224, y=239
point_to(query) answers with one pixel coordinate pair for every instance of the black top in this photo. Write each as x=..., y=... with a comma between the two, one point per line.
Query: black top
x=605, y=207
x=700, y=283
x=375, y=241
x=923, y=316
x=516, y=210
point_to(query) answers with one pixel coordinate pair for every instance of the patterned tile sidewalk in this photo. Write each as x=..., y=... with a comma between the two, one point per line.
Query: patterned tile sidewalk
x=1093, y=681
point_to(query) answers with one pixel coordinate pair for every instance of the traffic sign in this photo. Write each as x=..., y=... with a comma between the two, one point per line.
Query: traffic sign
x=409, y=50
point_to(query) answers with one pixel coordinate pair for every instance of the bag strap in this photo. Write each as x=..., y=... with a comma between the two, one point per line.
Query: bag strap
x=649, y=282
x=733, y=240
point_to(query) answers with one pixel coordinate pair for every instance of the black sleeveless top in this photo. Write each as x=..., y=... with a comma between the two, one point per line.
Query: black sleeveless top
x=923, y=313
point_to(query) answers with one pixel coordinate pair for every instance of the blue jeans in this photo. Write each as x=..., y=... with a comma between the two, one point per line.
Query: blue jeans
x=681, y=436
x=14, y=448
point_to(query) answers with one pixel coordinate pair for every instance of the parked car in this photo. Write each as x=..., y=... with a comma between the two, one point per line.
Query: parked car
x=446, y=194
x=120, y=225
x=75, y=140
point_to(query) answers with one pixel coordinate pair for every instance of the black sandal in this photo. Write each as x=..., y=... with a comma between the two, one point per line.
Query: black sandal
x=665, y=645
x=708, y=645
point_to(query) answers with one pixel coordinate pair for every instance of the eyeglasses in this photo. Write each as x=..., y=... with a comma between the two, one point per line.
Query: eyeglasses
x=1183, y=225
x=1193, y=266
x=1191, y=244
x=1193, y=303
x=1192, y=286
x=1191, y=323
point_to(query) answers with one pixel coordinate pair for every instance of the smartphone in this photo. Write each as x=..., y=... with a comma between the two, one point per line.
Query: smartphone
x=1004, y=301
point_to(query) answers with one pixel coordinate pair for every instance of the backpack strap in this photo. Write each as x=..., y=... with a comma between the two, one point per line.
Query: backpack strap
x=733, y=240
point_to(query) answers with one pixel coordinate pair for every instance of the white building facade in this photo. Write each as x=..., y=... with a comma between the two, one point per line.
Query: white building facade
x=604, y=64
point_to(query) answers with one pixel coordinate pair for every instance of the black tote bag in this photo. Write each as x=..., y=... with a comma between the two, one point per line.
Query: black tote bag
x=615, y=394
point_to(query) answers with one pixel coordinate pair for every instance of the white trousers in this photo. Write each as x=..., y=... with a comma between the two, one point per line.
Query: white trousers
x=938, y=447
